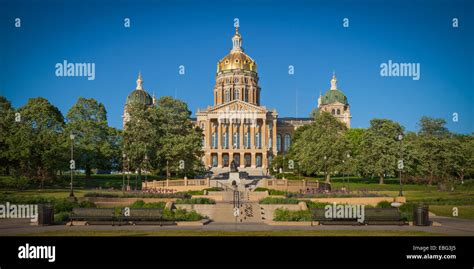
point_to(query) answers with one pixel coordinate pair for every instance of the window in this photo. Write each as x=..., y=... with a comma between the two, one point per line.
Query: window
x=333, y=111
x=214, y=140
x=225, y=140
x=247, y=139
x=287, y=142
x=338, y=111
x=236, y=140
x=214, y=160
x=236, y=94
x=227, y=96
x=246, y=95
x=278, y=142
x=258, y=137
x=259, y=160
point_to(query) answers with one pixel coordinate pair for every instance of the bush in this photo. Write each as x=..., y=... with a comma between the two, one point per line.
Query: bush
x=195, y=201
x=184, y=215
x=142, y=204
x=64, y=206
x=312, y=204
x=290, y=215
x=87, y=204
x=61, y=217
x=384, y=204
x=278, y=201
x=272, y=192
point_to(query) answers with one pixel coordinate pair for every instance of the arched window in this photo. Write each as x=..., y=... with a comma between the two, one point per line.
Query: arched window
x=338, y=111
x=236, y=94
x=287, y=142
x=214, y=160
x=246, y=95
x=333, y=111
x=225, y=140
x=227, y=96
x=278, y=142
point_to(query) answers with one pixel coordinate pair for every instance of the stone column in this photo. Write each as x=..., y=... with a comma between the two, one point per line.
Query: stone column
x=253, y=160
x=241, y=135
x=231, y=136
x=274, y=147
x=263, y=134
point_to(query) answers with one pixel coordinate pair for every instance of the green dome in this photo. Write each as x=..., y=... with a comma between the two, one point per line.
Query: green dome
x=333, y=96
x=139, y=96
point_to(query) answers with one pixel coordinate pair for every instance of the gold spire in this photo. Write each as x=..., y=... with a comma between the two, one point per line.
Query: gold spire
x=334, y=81
x=139, y=81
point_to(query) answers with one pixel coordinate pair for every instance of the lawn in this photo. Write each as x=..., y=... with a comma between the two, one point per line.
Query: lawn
x=233, y=233
x=464, y=211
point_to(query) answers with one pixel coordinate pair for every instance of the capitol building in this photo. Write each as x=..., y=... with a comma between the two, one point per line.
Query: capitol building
x=237, y=127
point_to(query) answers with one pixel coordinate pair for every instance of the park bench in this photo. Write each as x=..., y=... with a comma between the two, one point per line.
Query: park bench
x=93, y=215
x=372, y=216
x=384, y=216
x=145, y=216
x=318, y=214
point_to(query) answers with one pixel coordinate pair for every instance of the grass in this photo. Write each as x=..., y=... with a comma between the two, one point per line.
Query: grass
x=388, y=233
x=464, y=211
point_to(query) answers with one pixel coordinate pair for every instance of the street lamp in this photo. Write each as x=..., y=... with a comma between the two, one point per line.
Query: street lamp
x=123, y=171
x=72, y=166
x=325, y=169
x=400, y=163
x=348, y=157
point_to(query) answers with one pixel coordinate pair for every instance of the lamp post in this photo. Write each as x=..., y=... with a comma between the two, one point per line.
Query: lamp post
x=325, y=170
x=123, y=171
x=72, y=166
x=400, y=164
x=348, y=157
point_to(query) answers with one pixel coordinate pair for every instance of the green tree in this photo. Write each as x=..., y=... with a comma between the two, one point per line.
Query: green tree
x=431, y=148
x=380, y=148
x=140, y=137
x=37, y=141
x=180, y=142
x=321, y=146
x=6, y=122
x=87, y=120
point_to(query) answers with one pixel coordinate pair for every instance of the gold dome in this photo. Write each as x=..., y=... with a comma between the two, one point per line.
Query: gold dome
x=236, y=59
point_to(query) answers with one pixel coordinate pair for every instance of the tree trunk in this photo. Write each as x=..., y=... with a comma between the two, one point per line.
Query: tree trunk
x=328, y=178
x=381, y=179
x=430, y=181
x=88, y=171
x=139, y=177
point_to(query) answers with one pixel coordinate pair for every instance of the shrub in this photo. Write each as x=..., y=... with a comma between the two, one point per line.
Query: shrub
x=312, y=204
x=138, y=204
x=291, y=215
x=384, y=204
x=184, y=215
x=278, y=201
x=61, y=217
x=195, y=201
x=64, y=205
x=272, y=192
x=87, y=204
x=142, y=204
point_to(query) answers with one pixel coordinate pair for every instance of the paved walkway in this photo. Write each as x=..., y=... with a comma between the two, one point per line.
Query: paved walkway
x=449, y=226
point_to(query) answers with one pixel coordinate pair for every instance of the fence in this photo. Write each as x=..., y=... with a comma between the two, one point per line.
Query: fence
x=292, y=185
x=177, y=185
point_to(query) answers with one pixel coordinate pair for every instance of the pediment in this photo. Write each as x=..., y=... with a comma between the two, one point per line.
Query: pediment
x=237, y=106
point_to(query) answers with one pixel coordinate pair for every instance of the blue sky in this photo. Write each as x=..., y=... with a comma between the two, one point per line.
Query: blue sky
x=306, y=34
